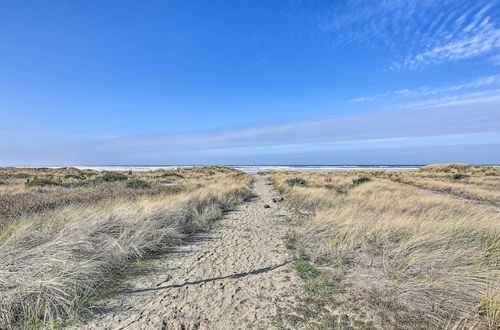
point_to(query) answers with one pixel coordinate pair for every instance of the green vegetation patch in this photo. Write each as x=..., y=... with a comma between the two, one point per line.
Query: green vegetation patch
x=113, y=176
x=135, y=183
x=19, y=175
x=360, y=180
x=42, y=182
x=314, y=311
x=305, y=270
x=79, y=176
x=319, y=286
x=296, y=182
x=171, y=175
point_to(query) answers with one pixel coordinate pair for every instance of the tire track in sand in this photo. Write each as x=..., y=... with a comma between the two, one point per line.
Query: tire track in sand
x=236, y=276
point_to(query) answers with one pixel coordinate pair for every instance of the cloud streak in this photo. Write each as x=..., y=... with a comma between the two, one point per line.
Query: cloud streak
x=491, y=80
x=484, y=41
x=426, y=126
x=389, y=143
x=488, y=96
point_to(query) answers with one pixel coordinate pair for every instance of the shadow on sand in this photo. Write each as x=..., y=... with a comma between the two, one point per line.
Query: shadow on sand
x=237, y=275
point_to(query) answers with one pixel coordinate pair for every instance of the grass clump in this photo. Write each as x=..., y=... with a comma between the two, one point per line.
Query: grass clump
x=305, y=270
x=296, y=182
x=135, y=183
x=446, y=168
x=320, y=285
x=360, y=180
x=42, y=182
x=490, y=306
x=79, y=176
x=110, y=176
x=315, y=284
x=20, y=175
x=172, y=175
x=459, y=176
x=314, y=302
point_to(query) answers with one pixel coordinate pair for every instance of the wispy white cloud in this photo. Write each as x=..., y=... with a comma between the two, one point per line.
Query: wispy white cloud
x=483, y=42
x=480, y=82
x=474, y=33
x=417, y=32
x=366, y=22
x=402, y=92
x=425, y=91
x=470, y=98
x=363, y=99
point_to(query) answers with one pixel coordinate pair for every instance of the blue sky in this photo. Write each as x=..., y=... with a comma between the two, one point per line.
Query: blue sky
x=249, y=82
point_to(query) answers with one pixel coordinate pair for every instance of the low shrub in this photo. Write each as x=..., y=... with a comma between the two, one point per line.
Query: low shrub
x=113, y=176
x=444, y=168
x=360, y=180
x=89, y=172
x=42, y=182
x=171, y=174
x=135, y=183
x=20, y=175
x=296, y=182
x=79, y=176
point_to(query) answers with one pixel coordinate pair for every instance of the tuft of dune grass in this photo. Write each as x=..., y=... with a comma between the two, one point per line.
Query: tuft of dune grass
x=54, y=263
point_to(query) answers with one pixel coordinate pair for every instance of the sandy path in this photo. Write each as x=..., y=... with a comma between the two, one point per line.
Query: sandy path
x=237, y=276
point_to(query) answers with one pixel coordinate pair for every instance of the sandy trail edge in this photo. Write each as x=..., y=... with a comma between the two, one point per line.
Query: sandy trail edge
x=237, y=276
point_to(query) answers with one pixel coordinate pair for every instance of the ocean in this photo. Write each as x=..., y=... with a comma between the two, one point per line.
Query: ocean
x=252, y=169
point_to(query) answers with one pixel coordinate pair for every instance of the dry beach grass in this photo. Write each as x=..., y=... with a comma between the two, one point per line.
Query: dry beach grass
x=391, y=255
x=480, y=183
x=375, y=249
x=236, y=276
x=65, y=237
